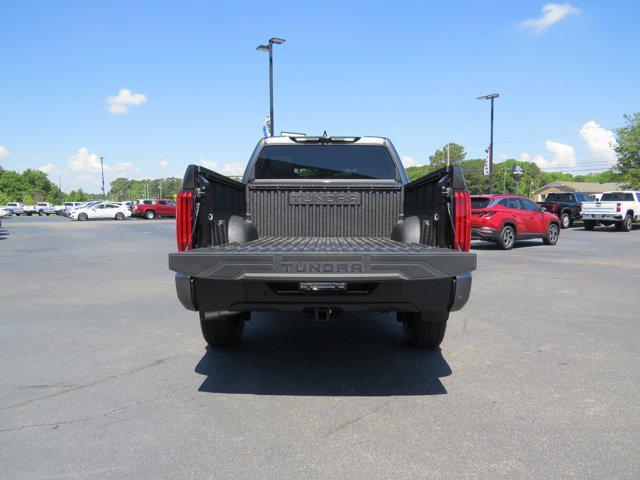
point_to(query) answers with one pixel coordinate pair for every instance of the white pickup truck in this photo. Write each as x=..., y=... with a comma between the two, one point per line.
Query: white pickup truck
x=41, y=208
x=614, y=208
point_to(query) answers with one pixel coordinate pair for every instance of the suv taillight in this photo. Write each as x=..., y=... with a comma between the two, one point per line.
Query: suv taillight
x=554, y=207
x=183, y=219
x=462, y=219
x=618, y=205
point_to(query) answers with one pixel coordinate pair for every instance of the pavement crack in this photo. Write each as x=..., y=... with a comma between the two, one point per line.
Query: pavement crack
x=57, y=424
x=357, y=419
x=74, y=388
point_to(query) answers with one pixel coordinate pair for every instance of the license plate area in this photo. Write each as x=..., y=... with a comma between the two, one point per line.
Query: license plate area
x=322, y=286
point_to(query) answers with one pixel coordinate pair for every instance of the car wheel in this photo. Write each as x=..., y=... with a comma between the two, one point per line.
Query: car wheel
x=119, y=216
x=507, y=237
x=625, y=225
x=82, y=217
x=150, y=215
x=424, y=329
x=222, y=329
x=589, y=225
x=553, y=232
x=565, y=220
x=40, y=213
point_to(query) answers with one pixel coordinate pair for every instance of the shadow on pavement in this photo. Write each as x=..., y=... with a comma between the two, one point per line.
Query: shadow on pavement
x=4, y=233
x=356, y=355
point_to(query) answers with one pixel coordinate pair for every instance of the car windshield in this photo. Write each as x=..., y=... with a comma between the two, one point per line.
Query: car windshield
x=480, y=202
x=617, y=197
x=325, y=162
x=559, y=197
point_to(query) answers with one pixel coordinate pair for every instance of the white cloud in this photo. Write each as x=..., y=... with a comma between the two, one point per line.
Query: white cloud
x=233, y=169
x=164, y=163
x=48, y=168
x=408, y=161
x=564, y=157
x=120, y=166
x=600, y=141
x=4, y=152
x=552, y=13
x=85, y=162
x=125, y=98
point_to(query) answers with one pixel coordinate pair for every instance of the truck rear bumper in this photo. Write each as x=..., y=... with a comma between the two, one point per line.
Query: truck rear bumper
x=379, y=275
x=407, y=296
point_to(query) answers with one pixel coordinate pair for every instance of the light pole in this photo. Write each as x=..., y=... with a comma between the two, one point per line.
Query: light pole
x=491, y=97
x=102, y=169
x=269, y=48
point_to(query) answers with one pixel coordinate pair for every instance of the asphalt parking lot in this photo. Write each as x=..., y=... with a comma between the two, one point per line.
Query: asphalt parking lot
x=105, y=375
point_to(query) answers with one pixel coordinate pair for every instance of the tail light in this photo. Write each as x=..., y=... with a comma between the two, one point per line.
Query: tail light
x=618, y=205
x=184, y=210
x=554, y=207
x=462, y=220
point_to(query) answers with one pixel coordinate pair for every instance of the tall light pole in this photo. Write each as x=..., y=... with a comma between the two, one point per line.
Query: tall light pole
x=102, y=168
x=491, y=97
x=269, y=48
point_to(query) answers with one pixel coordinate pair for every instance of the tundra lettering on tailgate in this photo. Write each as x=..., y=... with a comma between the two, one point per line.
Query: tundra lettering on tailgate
x=324, y=198
x=321, y=267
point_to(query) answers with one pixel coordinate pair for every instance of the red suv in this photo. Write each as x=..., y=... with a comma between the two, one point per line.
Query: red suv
x=154, y=208
x=506, y=218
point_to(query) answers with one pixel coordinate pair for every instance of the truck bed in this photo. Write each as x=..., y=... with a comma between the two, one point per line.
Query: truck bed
x=326, y=258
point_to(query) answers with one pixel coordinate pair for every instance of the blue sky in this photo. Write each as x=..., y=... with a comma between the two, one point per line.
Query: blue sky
x=197, y=89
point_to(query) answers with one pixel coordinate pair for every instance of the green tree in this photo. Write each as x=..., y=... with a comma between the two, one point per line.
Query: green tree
x=439, y=158
x=628, y=151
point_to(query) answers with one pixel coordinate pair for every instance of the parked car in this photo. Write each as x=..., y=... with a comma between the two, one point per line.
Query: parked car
x=69, y=210
x=5, y=212
x=16, y=208
x=323, y=225
x=567, y=206
x=504, y=219
x=60, y=209
x=40, y=208
x=614, y=208
x=150, y=209
x=100, y=210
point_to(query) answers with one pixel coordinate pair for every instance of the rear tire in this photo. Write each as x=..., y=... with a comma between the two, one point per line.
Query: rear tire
x=222, y=330
x=625, y=225
x=119, y=216
x=150, y=215
x=424, y=329
x=589, y=225
x=553, y=232
x=506, y=237
x=565, y=220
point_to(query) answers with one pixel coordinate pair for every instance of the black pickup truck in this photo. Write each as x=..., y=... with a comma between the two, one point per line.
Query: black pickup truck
x=568, y=206
x=323, y=225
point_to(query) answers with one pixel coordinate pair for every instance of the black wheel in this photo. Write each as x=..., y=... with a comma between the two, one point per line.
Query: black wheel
x=83, y=216
x=625, y=225
x=222, y=329
x=565, y=220
x=40, y=213
x=553, y=232
x=150, y=215
x=507, y=237
x=119, y=216
x=424, y=329
x=589, y=225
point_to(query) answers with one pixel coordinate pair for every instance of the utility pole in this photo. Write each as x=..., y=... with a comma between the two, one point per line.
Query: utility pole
x=448, y=159
x=492, y=97
x=269, y=48
x=102, y=169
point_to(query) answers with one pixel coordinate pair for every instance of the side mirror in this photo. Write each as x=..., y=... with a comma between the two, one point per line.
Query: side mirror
x=543, y=209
